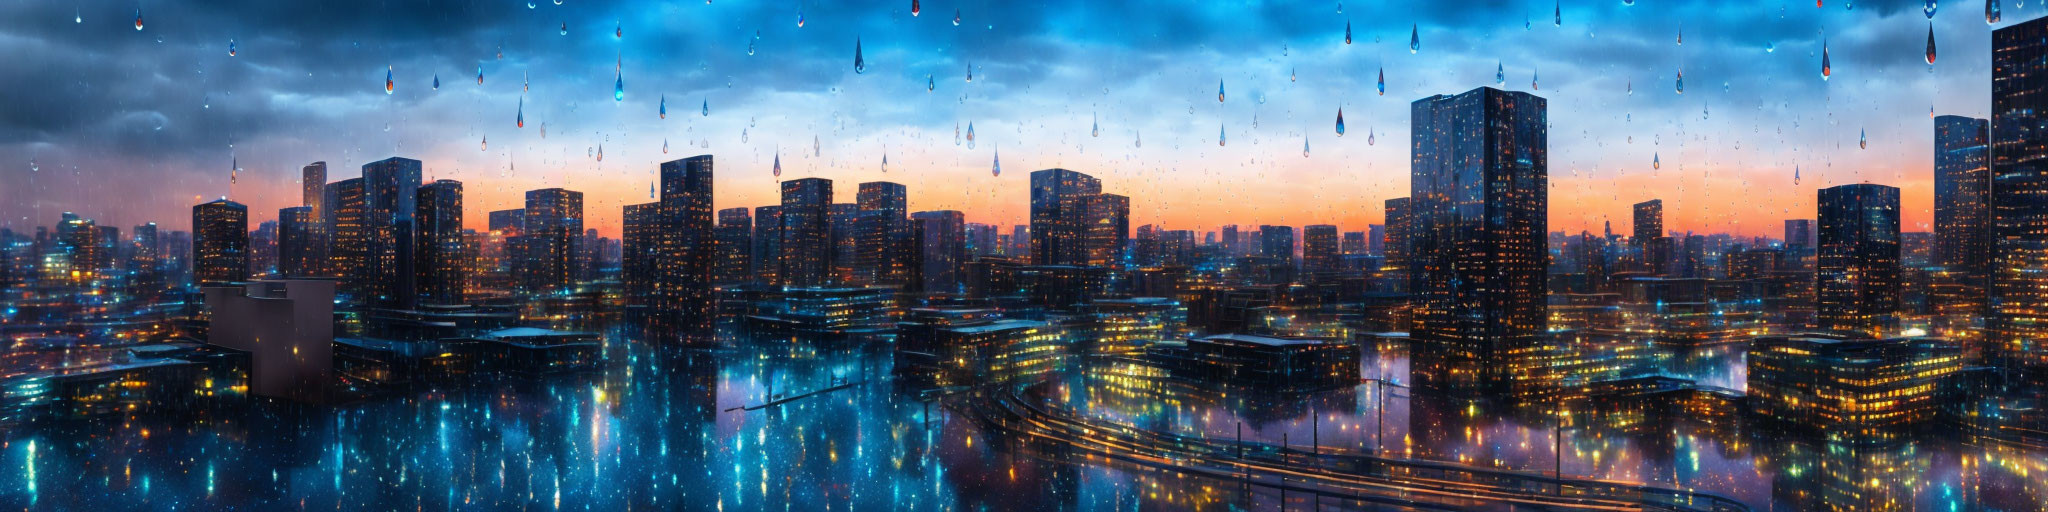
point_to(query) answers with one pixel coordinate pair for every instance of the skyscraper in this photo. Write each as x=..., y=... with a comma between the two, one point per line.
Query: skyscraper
x=146, y=260
x=220, y=242
x=882, y=234
x=313, y=191
x=735, y=240
x=554, y=232
x=1354, y=242
x=1799, y=232
x=642, y=235
x=348, y=237
x=1398, y=258
x=2017, y=327
x=1857, y=287
x=1319, y=248
x=942, y=248
x=1479, y=183
x=1376, y=239
x=390, y=195
x=843, y=220
x=441, y=259
x=1059, y=216
x=686, y=247
x=1107, y=229
x=1962, y=195
x=296, y=255
x=806, y=232
x=1649, y=221
x=1277, y=243
x=767, y=260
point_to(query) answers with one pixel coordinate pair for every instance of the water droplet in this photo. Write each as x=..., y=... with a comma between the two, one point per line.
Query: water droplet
x=1681, y=36
x=664, y=106
x=1631, y=87
x=1138, y=139
x=437, y=81
x=1681, y=81
x=799, y=18
x=970, y=72
x=485, y=145
x=522, y=113
x=930, y=84
x=231, y=48
x=1369, y=138
x=479, y=73
x=1928, y=9
x=1930, y=43
x=705, y=109
x=1500, y=74
x=618, y=30
x=1304, y=146
x=1219, y=91
x=1826, y=69
x=1414, y=39
x=138, y=19
x=1656, y=162
x=1290, y=74
x=743, y=135
x=1347, y=31
x=914, y=8
x=32, y=167
x=1991, y=14
x=565, y=28
x=388, y=84
x=1557, y=14
x=859, y=65
x=1340, y=121
x=998, y=160
x=1095, y=128
x=664, y=146
x=77, y=16
x=956, y=17
x=1862, y=139
x=1383, y=81
x=778, y=163
x=619, y=87
x=524, y=85
x=956, y=134
x=1221, y=137
x=750, y=46
x=1532, y=81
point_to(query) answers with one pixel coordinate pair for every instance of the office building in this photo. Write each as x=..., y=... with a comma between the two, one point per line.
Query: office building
x=641, y=235
x=1962, y=202
x=297, y=253
x=735, y=242
x=390, y=199
x=806, y=232
x=1847, y=384
x=220, y=242
x=1107, y=229
x=552, y=238
x=1059, y=216
x=1319, y=248
x=941, y=241
x=1857, y=261
x=882, y=234
x=685, y=248
x=767, y=259
x=1480, y=252
x=441, y=265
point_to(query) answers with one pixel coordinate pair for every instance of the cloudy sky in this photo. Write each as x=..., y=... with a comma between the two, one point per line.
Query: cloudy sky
x=130, y=126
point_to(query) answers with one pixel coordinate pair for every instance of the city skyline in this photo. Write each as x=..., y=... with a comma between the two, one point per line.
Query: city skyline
x=1036, y=95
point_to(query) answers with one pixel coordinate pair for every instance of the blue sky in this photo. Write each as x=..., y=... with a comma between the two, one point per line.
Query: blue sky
x=130, y=126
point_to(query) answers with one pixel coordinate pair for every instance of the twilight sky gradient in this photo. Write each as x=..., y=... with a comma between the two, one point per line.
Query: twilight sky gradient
x=129, y=126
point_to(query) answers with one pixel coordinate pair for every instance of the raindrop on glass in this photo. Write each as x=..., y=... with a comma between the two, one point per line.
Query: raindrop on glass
x=1826, y=69
x=231, y=48
x=1991, y=14
x=860, y=65
x=388, y=85
x=1930, y=43
x=1414, y=39
x=138, y=19
x=1340, y=121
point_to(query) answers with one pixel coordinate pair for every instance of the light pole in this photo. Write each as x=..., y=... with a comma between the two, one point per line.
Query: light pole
x=1380, y=415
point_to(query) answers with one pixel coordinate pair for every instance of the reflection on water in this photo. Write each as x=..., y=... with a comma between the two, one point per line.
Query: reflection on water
x=741, y=430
